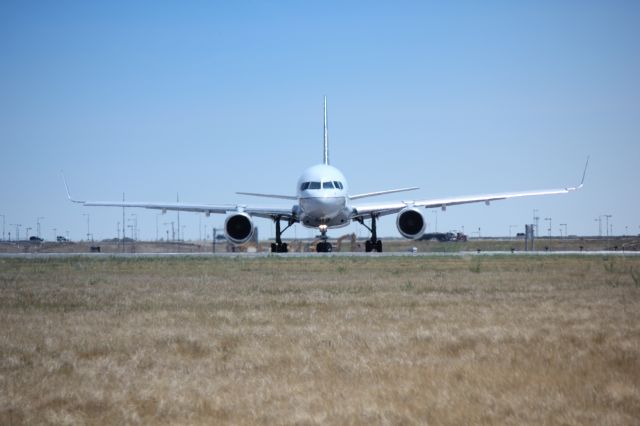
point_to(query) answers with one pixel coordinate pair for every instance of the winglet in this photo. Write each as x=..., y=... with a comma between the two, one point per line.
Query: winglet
x=584, y=173
x=67, y=188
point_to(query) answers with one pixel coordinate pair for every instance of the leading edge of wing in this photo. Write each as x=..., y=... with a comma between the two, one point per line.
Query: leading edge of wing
x=390, y=208
x=266, y=212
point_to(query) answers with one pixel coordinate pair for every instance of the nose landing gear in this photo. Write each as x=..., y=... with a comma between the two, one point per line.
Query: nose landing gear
x=323, y=246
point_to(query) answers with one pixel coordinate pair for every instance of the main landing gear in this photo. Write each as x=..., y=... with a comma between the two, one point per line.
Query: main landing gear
x=372, y=244
x=324, y=246
x=279, y=246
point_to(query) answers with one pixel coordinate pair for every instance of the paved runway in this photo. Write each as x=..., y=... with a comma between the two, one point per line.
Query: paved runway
x=311, y=254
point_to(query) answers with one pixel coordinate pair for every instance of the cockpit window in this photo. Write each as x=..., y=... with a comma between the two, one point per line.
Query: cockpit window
x=327, y=185
x=337, y=184
x=314, y=185
x=304, y=186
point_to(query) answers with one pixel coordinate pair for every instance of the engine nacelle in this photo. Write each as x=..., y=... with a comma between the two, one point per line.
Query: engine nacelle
x=238, y=227
x=410, y=223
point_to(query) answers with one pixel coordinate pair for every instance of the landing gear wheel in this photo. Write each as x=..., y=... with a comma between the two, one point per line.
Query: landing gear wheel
x=367, y=246
x=324, y=247
x=279, y=248
x=370, y=246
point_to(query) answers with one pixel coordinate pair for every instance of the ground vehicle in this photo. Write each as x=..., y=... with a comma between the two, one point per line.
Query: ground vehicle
x=444, y=236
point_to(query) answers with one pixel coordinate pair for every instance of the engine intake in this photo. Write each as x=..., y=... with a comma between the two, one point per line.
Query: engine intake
x=238, y=227
x=410, y=223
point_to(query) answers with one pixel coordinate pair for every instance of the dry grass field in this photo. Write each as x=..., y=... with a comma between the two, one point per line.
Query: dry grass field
x=383, y=340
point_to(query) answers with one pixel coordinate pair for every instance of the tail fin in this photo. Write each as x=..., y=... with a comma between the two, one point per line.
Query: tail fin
x=326, y=136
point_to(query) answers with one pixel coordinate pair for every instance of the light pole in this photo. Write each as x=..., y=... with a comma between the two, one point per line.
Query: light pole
x=536, y=219
x=134, y=228
x=88, y=228
x=55, y=234
x=38, y=225
x=566, y=233
x=607, y=216
x=510, y=228
x=549, y=219
x=173, y=231
x=2, y=226
x=157, y=215
x=28, y=229
x=17, y=225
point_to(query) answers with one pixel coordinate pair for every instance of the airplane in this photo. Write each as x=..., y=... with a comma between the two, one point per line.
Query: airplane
x=322, y=201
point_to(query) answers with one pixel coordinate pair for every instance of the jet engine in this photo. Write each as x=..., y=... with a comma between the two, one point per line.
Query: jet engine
x=410, y=223
x=238, y=227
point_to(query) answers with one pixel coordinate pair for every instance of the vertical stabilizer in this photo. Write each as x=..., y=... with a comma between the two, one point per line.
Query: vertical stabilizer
x=326, y=136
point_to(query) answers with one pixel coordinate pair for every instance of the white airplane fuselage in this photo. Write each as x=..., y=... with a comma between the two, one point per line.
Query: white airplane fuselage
x=322, y=197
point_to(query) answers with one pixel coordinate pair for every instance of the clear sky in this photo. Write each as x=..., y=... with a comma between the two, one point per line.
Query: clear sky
x=208, y=98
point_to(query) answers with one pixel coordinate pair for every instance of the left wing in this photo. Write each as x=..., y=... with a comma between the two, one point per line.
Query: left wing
x=383, y=209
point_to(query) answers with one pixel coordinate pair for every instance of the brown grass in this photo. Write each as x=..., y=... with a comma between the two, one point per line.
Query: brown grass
x=505, y=340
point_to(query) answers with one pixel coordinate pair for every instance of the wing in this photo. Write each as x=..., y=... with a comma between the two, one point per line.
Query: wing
x=266, y=212
x=383, y=209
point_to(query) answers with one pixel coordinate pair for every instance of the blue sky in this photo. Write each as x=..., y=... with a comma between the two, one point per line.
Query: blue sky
x=208, y=98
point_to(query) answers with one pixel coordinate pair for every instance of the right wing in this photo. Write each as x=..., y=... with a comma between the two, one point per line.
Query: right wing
x=265, y=212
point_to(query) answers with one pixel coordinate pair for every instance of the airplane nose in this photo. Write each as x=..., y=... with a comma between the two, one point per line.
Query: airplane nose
x=324, y=206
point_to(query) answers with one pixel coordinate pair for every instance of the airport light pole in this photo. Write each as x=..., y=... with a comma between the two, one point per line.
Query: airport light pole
x=549, y=220
x=88, y=227
x=28, y=229
x=55, y=234
x=510, y=228
x=536, y=219
x=566, y=233
x=599, y=220
x=17, y=235
x=173, y=232
x=135, y=225
x=38, y=225
x=607, y=216
x=157, y=215
x=2, y=226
